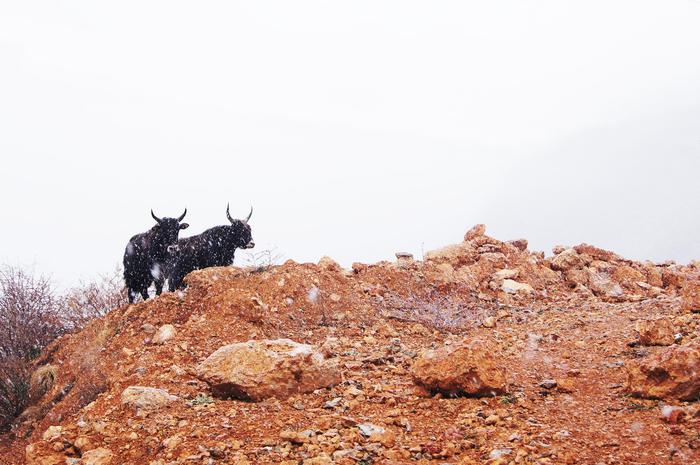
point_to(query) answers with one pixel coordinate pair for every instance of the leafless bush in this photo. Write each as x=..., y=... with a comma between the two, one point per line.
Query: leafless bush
x=452, y=309
x=14, y=389
x=30, y=312
x=94, y=299
x=263, y=260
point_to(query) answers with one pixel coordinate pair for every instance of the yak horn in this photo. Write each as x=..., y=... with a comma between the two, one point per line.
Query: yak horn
x=182, y=216
x=228, y=215
x=158, y=220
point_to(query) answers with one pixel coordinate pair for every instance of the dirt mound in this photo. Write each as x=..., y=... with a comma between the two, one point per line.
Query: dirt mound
x=566, y=329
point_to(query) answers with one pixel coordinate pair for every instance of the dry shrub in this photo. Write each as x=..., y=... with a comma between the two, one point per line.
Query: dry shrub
x=30, y=312
x=14, y=389
x=444, y=309
x=262, y=260
x=94, y=299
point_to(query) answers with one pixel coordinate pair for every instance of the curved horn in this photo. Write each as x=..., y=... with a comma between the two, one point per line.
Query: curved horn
x=158, y=220
x=249, y=214
x=181, y=217
x=228, y=215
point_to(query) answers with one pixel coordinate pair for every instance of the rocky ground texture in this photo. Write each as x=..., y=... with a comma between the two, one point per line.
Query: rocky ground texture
x=483, y=352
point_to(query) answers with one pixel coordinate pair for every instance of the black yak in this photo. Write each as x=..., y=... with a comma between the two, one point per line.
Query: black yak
x=214, y=247
x=146, y=255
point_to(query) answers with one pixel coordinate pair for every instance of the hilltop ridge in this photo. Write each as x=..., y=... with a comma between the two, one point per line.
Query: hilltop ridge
x=482, y=352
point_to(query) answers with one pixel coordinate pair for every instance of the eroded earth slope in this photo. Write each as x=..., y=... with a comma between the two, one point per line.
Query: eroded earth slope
x=483, y=352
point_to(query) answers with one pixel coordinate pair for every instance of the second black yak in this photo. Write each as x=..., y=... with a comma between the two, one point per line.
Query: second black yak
x=214, y=247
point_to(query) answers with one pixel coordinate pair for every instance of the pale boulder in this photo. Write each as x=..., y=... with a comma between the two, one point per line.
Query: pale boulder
x=147, y=398
x=513, y=287
x=567, y=260
x=476, y=231
x=164, y=334
x=99, y=456
x=257, y=370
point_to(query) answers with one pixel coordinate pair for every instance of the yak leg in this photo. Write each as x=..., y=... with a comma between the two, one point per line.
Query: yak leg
x=175, y=277
x=144, y=294
x=159, y=285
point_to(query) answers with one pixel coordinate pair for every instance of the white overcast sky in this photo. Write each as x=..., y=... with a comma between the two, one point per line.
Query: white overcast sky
x=355, y=128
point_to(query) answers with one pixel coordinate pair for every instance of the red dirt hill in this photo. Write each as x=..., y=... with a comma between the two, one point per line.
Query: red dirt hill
x=483, y=352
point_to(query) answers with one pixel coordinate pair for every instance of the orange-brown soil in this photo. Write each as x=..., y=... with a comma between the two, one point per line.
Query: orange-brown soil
x=564, y=345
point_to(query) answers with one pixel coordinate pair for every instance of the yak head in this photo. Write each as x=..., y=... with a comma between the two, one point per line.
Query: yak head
x=167, y=230
x=239, y=231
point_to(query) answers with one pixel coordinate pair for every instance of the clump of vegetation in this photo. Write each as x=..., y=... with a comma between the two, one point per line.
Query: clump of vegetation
x=508, y=399
x=262, y=260
x=200, y=399
x=94, y=299
x=14, y=389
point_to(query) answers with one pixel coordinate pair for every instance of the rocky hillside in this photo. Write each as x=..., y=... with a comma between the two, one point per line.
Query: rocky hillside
x=484, y=352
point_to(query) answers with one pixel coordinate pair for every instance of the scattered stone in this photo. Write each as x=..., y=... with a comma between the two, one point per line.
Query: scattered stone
x=329, y=264
x=330, y=347
x=333, y=403
x=548, y=384
x=659, y=332
x=496, y=454
x=148, y=328
x=99, y=456
x=672, y=414
x=147, y=398
x=368, y=429
x=500, y=275
x=566, y=260
x=52, y=433
x=520, y=244
x=557, y=249
x=257, y=370
x=513, y=287
x=690, y=295
x=164, y=334
x=476, y=231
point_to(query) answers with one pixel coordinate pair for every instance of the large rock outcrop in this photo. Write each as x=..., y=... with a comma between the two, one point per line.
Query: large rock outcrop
x=656, y=332
x=671, y=373
x=257, y=370
x=690, y=294
x=469, y=369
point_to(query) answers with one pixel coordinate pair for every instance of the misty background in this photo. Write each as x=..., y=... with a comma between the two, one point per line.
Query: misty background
x=355, y=129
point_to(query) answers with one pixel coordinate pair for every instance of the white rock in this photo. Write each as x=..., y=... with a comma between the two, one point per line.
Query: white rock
x=99, y=456
x=368, y=429
x=257, y=370
x=147, y=398
x=513, y=287
x=505, y=274
x=164, y=334
x=52, y=433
